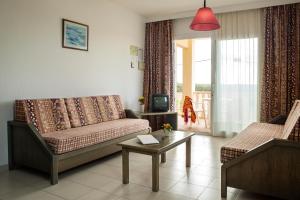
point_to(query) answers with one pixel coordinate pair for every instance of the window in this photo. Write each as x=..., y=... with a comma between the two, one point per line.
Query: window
x=239, y=61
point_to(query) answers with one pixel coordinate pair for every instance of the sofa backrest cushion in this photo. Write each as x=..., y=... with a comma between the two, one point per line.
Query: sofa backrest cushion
x=83, y=111
x=291, y=120
x=95, y=109
x=111, y=107
x=47, y=115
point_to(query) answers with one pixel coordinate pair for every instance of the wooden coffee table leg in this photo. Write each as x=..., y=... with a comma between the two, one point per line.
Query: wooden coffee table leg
x=155, y=172
x=163, y=157
x=125, y=166
x=188, y=152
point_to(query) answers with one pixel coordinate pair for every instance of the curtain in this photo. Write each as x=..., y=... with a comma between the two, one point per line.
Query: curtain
x=159, y=66
x=281, y=74
x=238, y=58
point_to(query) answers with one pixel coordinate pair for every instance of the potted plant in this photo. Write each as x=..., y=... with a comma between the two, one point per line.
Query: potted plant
x=167, y=128
x=142, y=103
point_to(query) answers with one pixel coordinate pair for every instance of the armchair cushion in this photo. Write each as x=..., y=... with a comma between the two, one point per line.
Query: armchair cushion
x=280, y=119
x=254, y=135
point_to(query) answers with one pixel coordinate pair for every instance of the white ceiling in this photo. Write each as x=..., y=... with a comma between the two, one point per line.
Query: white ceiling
x=163, y=8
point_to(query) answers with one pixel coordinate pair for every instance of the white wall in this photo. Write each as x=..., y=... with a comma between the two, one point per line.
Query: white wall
x=33, y=64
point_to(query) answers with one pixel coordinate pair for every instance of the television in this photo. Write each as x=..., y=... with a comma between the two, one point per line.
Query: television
x=160, y=103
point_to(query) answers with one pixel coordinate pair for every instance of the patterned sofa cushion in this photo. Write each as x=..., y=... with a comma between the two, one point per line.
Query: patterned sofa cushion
x=47, y=115
x=76, y=138
x=254, y=135
x=85, y=111
x=111, y=107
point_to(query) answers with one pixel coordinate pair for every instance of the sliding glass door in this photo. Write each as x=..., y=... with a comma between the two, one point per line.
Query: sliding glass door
x=236, y=85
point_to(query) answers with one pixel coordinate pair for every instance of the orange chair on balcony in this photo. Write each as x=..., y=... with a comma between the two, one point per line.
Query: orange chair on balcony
x=188, y=106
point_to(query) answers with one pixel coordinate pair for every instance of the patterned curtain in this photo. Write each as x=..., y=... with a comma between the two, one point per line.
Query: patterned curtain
x=159, y=67
x=281, y=73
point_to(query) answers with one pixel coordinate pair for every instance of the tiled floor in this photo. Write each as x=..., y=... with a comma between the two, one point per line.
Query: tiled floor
x=198, y=126
x=101, y=180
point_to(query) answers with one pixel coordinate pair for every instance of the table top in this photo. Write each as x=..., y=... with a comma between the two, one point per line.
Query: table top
x=165, y=143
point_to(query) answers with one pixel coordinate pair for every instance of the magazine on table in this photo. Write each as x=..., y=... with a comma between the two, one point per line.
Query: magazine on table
x=147, y=139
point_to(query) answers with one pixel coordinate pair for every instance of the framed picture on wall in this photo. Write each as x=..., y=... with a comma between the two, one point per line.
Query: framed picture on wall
x=75, y=35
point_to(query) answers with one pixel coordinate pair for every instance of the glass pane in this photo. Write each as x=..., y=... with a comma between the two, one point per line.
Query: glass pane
x=236, y=89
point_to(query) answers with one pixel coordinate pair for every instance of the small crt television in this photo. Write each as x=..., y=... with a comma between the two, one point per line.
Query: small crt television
x=160, y=103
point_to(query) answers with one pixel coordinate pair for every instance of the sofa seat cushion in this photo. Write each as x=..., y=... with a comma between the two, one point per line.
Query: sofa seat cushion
x=254, y=135
x=76, y=138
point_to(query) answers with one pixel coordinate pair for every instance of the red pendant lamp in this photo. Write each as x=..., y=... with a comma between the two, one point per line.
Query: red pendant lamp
x=205, y=20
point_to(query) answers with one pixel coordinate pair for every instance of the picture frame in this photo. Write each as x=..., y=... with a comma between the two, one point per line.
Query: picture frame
x=75, y=35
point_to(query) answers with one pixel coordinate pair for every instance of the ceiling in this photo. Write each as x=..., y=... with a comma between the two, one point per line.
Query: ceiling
x=155, y=8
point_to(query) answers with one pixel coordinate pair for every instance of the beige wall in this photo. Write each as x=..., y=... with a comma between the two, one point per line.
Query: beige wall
x=33, y=64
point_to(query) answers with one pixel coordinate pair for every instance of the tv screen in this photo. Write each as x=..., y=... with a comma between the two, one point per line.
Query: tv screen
x=160, y=103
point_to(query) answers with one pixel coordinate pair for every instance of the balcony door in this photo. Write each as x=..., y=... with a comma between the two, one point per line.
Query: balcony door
x=193, y=72
x=236, y=85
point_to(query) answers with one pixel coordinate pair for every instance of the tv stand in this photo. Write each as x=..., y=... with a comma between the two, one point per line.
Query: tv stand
x=165, y=117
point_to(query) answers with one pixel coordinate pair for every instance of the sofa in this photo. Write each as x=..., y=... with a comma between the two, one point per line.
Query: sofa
x=56, y=134
x=264, y=158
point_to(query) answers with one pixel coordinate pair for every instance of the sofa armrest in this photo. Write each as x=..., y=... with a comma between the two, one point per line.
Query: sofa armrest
x=262, y=168
x=280, y=120
x=130, y=114
x=18, y=129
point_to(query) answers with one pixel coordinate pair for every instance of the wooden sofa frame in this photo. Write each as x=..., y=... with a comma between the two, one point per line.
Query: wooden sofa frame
x=272, y=168
x=26, y=147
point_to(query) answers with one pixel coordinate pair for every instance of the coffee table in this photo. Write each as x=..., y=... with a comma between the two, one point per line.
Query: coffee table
x=155, y=150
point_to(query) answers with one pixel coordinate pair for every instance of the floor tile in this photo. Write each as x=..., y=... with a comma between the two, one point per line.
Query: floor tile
x=18, y=179
x=158, y=196
x=93, y=180
x=215, y=184
x=126, y=190
x=185, y=189
x=98, y=195
x=176, y=165
x=206, y=171
x=146, y=180
x=196, y=179
x=175, y=175
x=213, y=194
x=29, y=194
x=68, y=190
